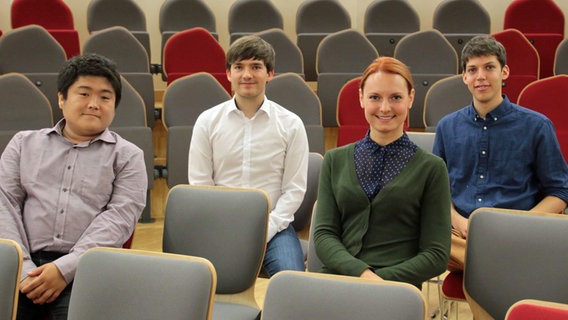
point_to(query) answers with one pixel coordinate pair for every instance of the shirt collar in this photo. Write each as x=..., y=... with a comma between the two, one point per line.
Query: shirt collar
x=266, y=107
x=105, y=136
x=502, y=109
x=371, y=146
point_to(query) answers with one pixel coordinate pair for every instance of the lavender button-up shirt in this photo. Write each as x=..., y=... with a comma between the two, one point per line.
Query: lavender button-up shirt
x=65, y=197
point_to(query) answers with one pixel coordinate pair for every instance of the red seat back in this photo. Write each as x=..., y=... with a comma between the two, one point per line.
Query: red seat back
x=542, y=22
x=537, y=310
x=54, y=15
x=195, y=50
x=547, y=96
x=523, y=60
x=351, y=121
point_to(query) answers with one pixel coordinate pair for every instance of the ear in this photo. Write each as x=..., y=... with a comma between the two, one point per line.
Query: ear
x=228, y=72
x=270, y=76
x=411, y=97
x=505, y=72
x=60, y=100
x=361, y=98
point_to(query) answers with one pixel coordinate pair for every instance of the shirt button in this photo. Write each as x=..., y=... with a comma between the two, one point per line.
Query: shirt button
x=68, y=167
x=61, y=211
x=483, y=152
x=484, y=127
x=64, y=189
x=481, y=177
x=58, y=236
x=479, y=199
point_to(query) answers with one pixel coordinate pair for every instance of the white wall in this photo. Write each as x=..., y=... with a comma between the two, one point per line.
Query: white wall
x=425, y=9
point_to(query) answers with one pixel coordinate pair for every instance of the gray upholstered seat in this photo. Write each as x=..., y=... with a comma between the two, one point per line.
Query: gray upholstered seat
x=313, y=262
x=444, y=97
x=130, y=123
x=32, y=51
x=306, y=295
x=461, y=20
x=341, y=56
x=102, y=14
x=131, y=60
x=424, y=140
x=23, y=106
x=184, y=100
x=303, y=215
x=430, y=57
x=387, y=21
x=250, y=16
x=561, y=58
x=288, y=56
x=514, y=255
x=10, y=270
x=315, y=19
x=228, y=227
x=124, y=284
x=291, y=91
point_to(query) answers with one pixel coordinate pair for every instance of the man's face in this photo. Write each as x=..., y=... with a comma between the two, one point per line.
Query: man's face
x=89, y=108
x=249, y=77
x=484, y=77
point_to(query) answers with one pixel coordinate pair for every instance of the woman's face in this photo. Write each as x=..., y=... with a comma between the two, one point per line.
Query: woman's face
x=386, y=101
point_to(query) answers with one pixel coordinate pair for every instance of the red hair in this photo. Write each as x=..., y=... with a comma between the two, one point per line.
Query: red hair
x=388, y=65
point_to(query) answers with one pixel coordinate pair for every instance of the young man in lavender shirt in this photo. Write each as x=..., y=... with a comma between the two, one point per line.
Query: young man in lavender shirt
x=69, y=188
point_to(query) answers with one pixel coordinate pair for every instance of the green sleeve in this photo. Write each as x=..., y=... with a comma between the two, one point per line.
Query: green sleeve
x=327, y=229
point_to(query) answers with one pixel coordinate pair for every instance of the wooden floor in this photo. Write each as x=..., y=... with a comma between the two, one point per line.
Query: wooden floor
x=148, y=236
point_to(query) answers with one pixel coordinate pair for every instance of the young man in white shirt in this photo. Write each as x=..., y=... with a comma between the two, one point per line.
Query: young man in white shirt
x=250, y=141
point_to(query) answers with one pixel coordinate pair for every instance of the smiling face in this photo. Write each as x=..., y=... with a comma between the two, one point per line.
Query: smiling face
x=88, y=109
x=248, y=78
x=484, y=77
x=386, y=101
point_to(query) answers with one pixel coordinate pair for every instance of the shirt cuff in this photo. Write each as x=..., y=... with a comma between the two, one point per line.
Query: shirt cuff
x=272, y=231
x=27, y=266
x=67, y=265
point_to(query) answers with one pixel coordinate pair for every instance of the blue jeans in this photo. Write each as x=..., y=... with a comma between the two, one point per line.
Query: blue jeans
x=283, y=252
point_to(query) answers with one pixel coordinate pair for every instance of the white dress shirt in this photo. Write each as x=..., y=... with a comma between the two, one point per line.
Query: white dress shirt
x=268, y=151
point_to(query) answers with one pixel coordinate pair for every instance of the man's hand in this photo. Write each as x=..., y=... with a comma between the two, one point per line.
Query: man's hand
x=460, y=225
x=44, y=284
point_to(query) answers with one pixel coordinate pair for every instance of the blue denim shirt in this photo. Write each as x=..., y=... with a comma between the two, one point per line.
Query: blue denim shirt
x=511, y=159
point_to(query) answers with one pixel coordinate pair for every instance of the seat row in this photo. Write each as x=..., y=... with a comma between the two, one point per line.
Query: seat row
x=178, y=286
x=209, y=267
x=385, y=22
x=344, y=55
x=340, y=56
x=450, y=94
x=25, y=107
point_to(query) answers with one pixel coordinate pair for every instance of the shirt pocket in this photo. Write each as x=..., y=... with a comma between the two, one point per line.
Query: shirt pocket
x=96, y=186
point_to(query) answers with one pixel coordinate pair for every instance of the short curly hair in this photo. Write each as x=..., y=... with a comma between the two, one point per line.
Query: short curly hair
x=89, y=65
